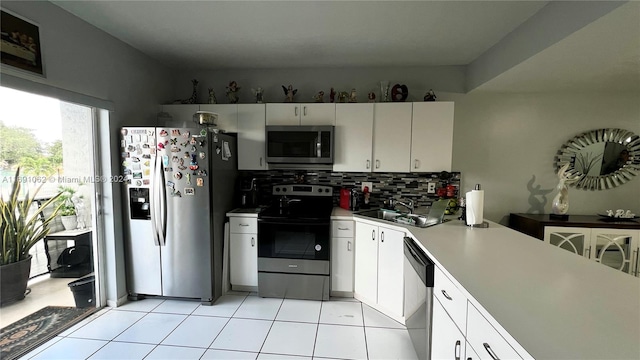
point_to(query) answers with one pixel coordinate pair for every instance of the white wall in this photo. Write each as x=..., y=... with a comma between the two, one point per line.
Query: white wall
x=81, y=59
x=502, y=140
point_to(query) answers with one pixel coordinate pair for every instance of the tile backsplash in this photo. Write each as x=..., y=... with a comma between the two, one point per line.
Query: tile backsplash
x=385, y=185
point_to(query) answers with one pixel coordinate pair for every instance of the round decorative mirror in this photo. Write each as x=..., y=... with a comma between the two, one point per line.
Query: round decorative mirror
x=600, y=159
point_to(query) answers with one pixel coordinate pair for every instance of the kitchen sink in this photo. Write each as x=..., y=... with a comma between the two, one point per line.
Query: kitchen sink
x=399, y=218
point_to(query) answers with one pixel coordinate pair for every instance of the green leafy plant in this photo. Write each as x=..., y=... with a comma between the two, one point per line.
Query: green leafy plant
x=19, y=229
x=65, y=201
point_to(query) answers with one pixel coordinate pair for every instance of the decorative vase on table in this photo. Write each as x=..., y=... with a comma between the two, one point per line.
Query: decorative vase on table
x=560, y=204
x=70, y=222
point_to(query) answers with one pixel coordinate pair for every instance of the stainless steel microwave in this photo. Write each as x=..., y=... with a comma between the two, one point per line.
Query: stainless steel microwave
x=300, y=144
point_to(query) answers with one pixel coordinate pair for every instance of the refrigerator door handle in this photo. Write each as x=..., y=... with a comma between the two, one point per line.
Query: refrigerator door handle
x=162, y=202
x=154, y=200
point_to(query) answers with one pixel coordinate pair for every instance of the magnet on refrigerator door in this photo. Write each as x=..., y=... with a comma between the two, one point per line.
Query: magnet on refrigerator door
x=175, y=132
x=199, y=182
x=189, y=191
x=163, y=133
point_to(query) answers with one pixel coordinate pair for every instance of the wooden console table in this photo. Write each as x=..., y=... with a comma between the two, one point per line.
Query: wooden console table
x=534, y=224
x=608, y=241
x=80, y=237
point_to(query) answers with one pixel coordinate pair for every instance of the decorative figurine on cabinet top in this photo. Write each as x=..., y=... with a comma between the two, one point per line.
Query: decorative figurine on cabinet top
x=289, y=92
x=194, y=94
x=332, y=95
x=232, y=92
x=343, y=96
x=212, y=96
x=372, y=97
x=399, y=93
x=319, y=97
x=258, y=93
x=430, y=95
x=353, y=98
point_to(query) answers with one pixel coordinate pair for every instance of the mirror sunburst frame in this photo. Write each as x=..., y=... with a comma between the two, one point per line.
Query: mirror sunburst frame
x=600, y=159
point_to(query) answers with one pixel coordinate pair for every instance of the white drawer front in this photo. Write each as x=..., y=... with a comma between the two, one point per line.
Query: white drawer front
x=243, y=225
x=342, y=228
x=452, y=299
x=485, y=339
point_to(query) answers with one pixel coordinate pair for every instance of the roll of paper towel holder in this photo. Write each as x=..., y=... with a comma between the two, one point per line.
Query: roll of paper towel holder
x=474, y=208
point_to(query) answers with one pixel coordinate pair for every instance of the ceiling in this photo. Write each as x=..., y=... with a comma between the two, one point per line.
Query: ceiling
x=218, y=35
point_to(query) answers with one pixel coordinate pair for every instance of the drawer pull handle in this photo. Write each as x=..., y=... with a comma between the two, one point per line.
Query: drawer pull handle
x=446, y=295
x=343, y=229
x=456, y=350
x=491, y=353
x=243, y=224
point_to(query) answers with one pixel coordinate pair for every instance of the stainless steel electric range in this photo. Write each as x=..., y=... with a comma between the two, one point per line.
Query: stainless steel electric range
x=293, y=243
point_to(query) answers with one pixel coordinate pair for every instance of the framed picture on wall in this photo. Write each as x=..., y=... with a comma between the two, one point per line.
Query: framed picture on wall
x=20, y=43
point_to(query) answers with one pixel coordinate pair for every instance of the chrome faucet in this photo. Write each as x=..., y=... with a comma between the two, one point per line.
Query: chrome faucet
x=408, y=204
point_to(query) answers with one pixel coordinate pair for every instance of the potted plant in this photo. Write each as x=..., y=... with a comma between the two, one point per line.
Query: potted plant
x=67, y=207
x=20, y=230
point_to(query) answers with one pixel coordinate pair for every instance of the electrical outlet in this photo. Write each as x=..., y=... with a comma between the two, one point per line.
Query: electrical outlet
x=431, y=188
x=368, y=184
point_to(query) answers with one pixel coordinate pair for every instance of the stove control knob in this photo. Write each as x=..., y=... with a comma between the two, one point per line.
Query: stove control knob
x=319, y=190
x=277, y=189
x=318, y=247
x=284, y=189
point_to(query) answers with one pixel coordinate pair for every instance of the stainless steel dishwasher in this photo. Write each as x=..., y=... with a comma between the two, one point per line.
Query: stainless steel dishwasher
x=418, y=297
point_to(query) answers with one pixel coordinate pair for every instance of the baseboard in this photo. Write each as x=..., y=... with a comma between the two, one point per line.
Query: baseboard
x=121, y=301
x=343, y=294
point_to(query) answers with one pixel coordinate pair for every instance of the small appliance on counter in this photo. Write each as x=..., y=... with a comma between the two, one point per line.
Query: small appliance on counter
x=248, y=192
x=350, y=198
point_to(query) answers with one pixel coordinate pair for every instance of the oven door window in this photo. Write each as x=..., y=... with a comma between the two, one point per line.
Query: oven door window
x=293, y=241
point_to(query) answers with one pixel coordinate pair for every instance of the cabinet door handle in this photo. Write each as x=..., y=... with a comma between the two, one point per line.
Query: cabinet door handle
x=296, y=110
x=416, y=163
x=304, y=111
x=637, y=253
x=377, y=164
x=243, y=224
x=368, y=164
x=382, y=236
x=456, y=350
x=589, y=253
x=253, y=241
x=260, y=161
x=446, y=295
x=490, y=351
x=348, y=245
x=343, y=228
x=373, y=235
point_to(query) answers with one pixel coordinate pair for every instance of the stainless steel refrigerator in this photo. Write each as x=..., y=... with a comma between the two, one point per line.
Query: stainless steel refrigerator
x=179, y=184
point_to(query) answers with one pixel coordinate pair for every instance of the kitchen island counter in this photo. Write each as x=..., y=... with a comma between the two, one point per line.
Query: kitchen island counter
x=553, y=303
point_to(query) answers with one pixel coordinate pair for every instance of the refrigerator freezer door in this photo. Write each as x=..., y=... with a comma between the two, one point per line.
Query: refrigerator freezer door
x=138, y=147
x=186, y=253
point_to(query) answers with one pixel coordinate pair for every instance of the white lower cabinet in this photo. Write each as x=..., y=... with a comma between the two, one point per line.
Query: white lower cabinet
x=447, y=342
x=379, y=268
x=342, y=257
x=243, y=253
x=485, y=339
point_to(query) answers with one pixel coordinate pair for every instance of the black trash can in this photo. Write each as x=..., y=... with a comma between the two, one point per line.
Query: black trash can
x=83, y=291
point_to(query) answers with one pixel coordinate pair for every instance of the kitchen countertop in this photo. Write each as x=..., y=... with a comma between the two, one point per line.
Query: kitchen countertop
x=555, y=304
x=245, y=212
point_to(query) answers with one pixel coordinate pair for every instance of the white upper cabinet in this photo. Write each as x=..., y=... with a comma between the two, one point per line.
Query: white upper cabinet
x=392, y=137
x=227, y=116
x=301, y=114
x=251, y=137
x=353, y=137
x=432, y=136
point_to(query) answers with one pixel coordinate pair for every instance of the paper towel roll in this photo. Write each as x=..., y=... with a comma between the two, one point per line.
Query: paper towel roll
x=475, y=206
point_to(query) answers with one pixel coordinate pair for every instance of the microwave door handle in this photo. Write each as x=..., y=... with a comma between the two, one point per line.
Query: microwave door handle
x=318, y=145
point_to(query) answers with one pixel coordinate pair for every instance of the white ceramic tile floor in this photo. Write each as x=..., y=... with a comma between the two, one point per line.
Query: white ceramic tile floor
x=238, y=326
